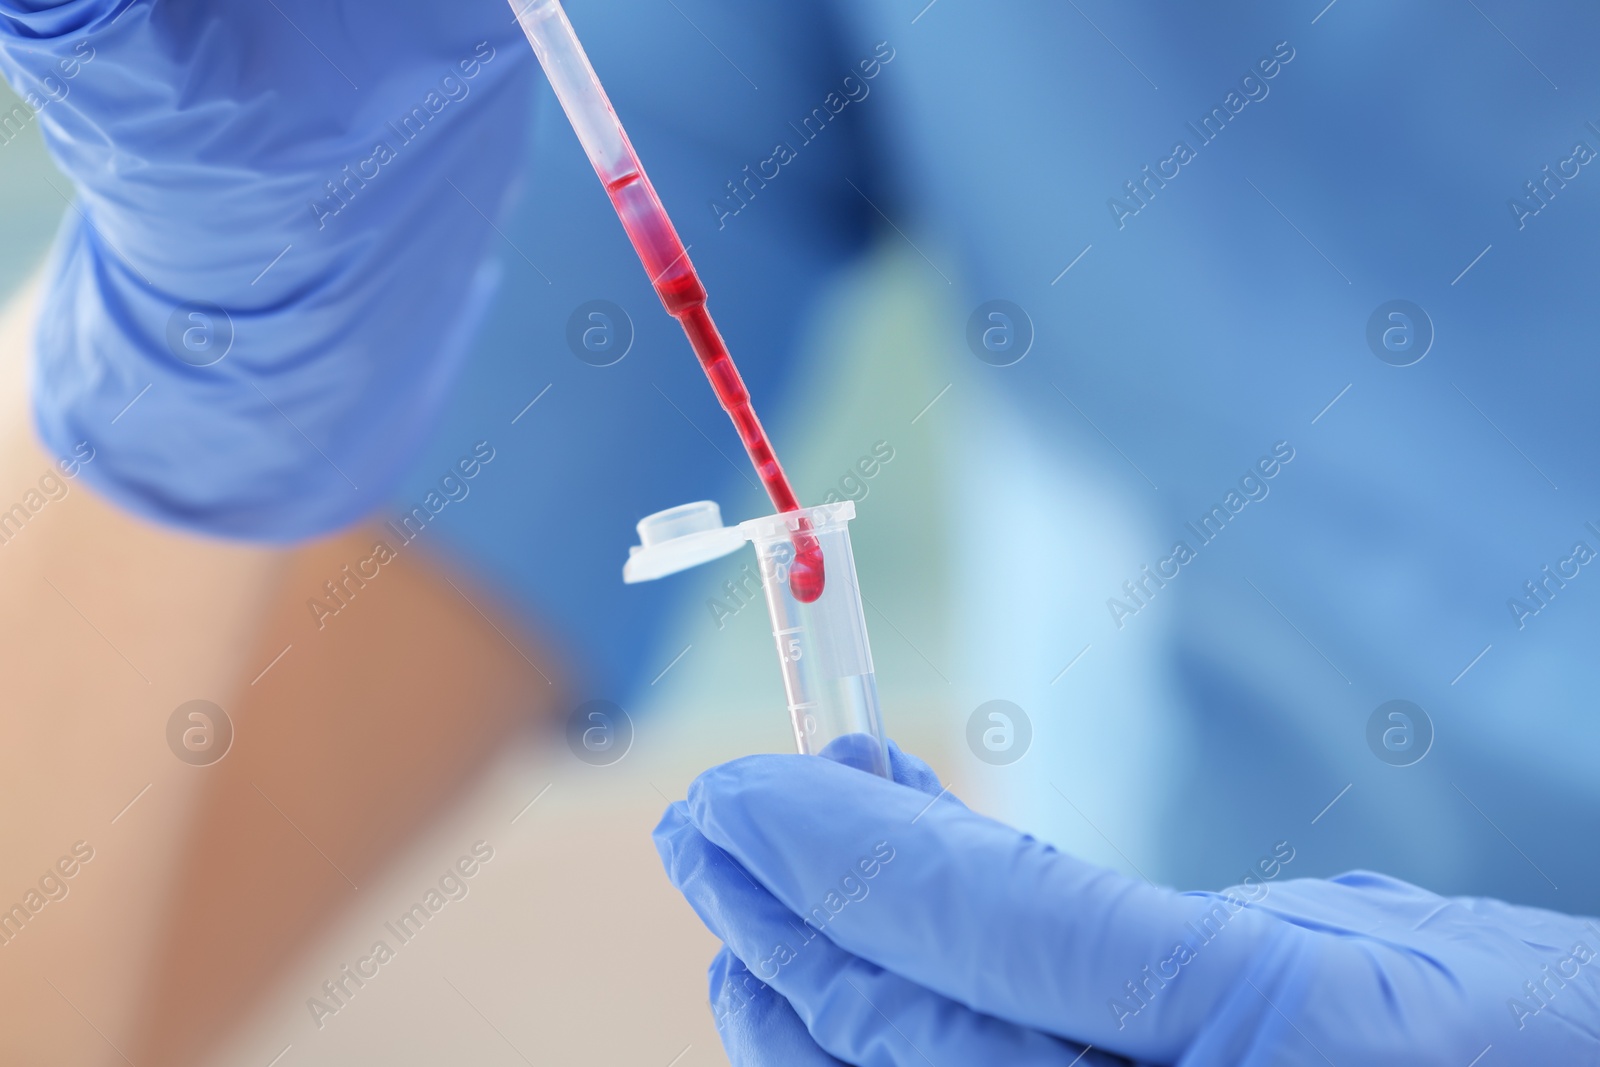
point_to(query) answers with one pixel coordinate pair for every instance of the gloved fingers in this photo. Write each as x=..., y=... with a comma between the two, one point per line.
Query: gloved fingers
x=855, y=1010
x=909, y=770
x=973, y=910
x=862, y=752
x=757, y=1026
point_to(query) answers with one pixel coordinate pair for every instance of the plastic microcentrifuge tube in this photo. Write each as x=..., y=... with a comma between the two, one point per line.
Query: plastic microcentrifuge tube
x=665, y=258
x=821, y=642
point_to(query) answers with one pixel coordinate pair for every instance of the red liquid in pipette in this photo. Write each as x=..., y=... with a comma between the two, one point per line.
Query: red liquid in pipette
x=684, y=297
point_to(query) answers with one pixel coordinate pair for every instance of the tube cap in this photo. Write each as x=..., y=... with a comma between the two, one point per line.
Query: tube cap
x=679, y=538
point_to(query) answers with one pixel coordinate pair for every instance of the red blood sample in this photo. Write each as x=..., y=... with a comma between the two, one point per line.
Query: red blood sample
x=684, y=297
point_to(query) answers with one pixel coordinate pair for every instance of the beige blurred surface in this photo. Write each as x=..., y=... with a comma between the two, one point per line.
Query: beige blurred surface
x=569, y=945
x=106, y=622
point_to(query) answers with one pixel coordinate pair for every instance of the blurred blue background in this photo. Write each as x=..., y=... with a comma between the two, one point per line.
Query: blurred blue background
x=1184, y=343
x=1172, y=347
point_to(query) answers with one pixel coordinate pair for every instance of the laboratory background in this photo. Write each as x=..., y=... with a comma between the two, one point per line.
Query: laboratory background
x=1214, y=386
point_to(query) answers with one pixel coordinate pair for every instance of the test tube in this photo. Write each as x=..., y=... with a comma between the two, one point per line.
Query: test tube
x=822, y=645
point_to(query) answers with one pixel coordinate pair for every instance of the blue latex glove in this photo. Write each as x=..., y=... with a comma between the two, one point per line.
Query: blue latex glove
x=321, y=171
x=948, y=938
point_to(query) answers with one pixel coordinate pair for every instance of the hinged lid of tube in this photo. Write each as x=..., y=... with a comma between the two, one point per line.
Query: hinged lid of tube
x=691, y=534
x=679, y=538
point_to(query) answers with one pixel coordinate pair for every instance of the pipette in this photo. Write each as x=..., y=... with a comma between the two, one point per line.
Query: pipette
x=663, y=254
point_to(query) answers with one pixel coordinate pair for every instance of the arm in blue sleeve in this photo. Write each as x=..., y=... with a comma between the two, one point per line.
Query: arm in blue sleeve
x=275, y=257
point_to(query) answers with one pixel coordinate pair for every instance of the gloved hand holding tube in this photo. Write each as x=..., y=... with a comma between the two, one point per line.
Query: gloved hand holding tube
x=884, y=923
